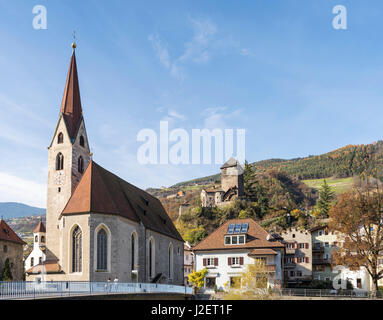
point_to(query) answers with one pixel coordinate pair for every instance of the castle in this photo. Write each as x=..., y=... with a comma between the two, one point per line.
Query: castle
x=99, y=226
x=231, y=186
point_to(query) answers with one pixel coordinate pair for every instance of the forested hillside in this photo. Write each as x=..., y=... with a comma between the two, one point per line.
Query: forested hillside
x=351, y=160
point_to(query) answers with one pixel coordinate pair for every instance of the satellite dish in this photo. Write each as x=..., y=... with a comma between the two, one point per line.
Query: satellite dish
x=268, y=237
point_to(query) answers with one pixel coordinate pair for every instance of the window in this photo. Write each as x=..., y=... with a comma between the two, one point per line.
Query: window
x=80, y=165
x=133, y=251
x=210, y=262
x=5, y=248
x=36, y=238
x=210, y=282
x=235, y=261
x=42, y=239
x=40, y=260
x=326, y=244
x=320, y=233
x=301, y=246
x=292, y=273
x=77, y=250
x=60, y=138
x=299, y=273
x=102, y=251
x=170, y=261
x=82, y=141
x=151, y=258
x=60, y=162
x=235, y=239
x=32, y=261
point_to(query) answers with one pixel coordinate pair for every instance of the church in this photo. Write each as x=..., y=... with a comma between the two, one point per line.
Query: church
x=98, y=226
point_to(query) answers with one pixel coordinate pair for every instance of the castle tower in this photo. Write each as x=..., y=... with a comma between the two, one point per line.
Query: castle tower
x=232, y=176
x=68, y=157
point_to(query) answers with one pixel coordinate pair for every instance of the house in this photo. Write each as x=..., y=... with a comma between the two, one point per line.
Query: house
x=229, y=249
x=298, y=256
x=38, y=253
x=188, y=262
x=232, y=186
x=99, y=226
x=11, y=251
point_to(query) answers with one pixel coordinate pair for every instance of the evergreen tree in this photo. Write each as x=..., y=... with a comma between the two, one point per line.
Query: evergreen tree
x=7, y=273
x=325, y=201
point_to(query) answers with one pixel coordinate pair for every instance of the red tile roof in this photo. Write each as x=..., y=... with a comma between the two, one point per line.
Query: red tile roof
x=102, y=192
x=256, y=238
x=7, y=234
x=71, y=103
x=39, y=228
x=262, y=252
x=47, y=266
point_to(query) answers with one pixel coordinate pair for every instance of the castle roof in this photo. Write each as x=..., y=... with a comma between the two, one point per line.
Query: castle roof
x=71, y=103
x=40, y=228
x=102, y=192
x=256, y=238
x=7, y=234
x=230, y=163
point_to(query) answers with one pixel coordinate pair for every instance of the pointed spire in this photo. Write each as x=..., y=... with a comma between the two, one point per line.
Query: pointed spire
x=71, y=102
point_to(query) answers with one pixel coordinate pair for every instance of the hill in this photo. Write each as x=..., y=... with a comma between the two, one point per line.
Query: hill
x=348, y=161
x=15, y=210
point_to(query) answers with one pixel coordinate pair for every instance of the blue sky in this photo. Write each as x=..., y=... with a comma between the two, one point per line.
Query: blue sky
x=275, y=68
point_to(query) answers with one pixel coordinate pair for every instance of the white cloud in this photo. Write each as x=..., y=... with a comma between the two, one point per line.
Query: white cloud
x=15, y=189
x=198, y=49
x=220, y=117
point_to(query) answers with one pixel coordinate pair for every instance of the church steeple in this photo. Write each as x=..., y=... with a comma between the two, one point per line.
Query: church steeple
x=71, y=103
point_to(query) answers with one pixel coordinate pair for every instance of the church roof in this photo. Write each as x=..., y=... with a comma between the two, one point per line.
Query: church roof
x=102, y=192
x=71, y=103
x=40, y=228
x=7, y=234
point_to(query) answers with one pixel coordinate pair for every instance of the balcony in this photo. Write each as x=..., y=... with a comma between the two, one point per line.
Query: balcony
x=321, y=261
x=289, y=265
x=318, y=249
x=290, y=251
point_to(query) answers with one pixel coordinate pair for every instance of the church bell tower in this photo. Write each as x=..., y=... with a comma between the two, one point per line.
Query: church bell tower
x=68, y=157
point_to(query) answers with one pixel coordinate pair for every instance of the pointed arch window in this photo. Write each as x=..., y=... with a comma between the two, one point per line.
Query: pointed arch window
x=151, y=258
x=59, y=162
x=102, y=250
x=170, y=261
x=134, y=252
x=77, y=250
x=80, y=165
x=42, y=239
x=60, y=138
x=82, y=141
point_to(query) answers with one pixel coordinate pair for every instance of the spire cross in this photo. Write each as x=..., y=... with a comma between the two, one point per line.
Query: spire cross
x=74, y=40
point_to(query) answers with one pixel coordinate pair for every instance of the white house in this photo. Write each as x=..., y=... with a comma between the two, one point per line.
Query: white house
x=237, y=243
x=37, y=256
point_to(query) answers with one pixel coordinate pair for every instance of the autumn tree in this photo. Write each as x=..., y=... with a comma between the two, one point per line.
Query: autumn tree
x=358, y=219
x=326, y=199
x=197, y=278
x=252, y=284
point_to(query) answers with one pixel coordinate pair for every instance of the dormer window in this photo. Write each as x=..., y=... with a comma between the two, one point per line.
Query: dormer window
x=60, y=138
x=233, y=240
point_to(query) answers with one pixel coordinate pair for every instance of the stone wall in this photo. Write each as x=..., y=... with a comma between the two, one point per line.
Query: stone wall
x=13, y=252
